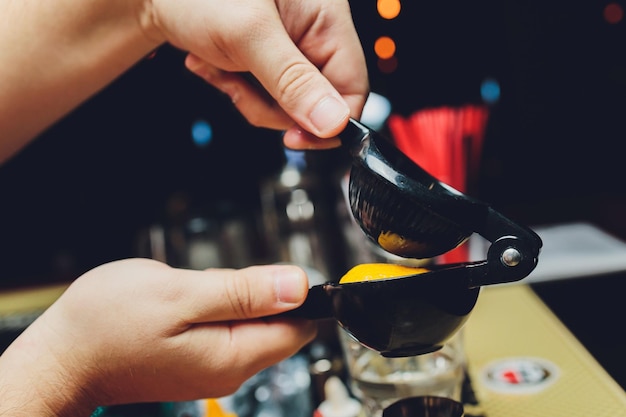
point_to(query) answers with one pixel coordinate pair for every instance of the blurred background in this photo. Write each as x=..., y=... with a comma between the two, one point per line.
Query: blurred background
x=159, y=140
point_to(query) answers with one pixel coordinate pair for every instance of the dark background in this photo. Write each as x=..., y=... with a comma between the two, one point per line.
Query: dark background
x=79, y=194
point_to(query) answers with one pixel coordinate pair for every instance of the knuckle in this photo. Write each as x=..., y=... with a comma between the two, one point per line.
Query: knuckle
x=239, y=295
x=293, y=82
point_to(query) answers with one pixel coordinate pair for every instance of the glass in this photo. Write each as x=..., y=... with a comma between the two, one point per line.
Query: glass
x=379, y=381
x=428, y=406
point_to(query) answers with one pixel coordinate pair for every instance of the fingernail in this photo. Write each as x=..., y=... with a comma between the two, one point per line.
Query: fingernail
x=328, y=114
x=289, y=285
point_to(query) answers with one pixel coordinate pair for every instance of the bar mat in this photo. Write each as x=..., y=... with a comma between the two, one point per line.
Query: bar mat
x=523, y=362
x=19, y=308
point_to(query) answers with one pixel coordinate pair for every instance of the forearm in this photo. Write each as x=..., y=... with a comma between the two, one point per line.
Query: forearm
x=34, y=384
x=56, y=54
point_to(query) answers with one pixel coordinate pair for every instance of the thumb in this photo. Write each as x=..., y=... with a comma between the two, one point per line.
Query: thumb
x=301, y=90
x=251, y=292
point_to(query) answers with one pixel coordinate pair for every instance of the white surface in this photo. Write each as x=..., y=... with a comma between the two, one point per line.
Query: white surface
x=570, y=250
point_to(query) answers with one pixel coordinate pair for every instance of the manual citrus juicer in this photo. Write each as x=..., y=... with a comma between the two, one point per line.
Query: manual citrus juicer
x=409, y=213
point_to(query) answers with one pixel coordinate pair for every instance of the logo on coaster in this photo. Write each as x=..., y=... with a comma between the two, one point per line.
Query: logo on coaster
x=519, y=375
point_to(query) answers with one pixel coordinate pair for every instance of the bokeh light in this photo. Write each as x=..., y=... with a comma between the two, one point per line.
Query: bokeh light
x=376, y=111
x=385, y=47
x=613, y=13
x=201, y=133
x=490, y=90
x=388, y=9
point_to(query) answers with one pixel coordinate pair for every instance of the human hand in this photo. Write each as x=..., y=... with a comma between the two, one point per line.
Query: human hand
x=137, y=330
x=306, y=54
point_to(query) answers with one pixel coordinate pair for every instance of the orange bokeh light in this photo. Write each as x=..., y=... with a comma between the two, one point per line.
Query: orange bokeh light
x=384, y=47
x=388, y=9
x=613, y=13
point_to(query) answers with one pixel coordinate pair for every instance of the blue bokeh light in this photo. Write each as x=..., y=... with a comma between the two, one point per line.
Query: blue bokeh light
x=490, y=90
x=201, y=133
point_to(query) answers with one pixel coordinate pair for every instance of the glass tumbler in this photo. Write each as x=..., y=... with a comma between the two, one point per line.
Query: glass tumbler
x=379, y=381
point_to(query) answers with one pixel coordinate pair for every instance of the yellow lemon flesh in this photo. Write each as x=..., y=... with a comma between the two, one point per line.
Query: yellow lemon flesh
x=400, y=245
x=374, y=271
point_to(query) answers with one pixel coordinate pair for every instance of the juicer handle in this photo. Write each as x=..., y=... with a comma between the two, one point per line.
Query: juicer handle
x=513, y=253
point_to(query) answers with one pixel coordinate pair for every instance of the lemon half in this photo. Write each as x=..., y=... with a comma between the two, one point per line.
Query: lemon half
x=374, y=271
